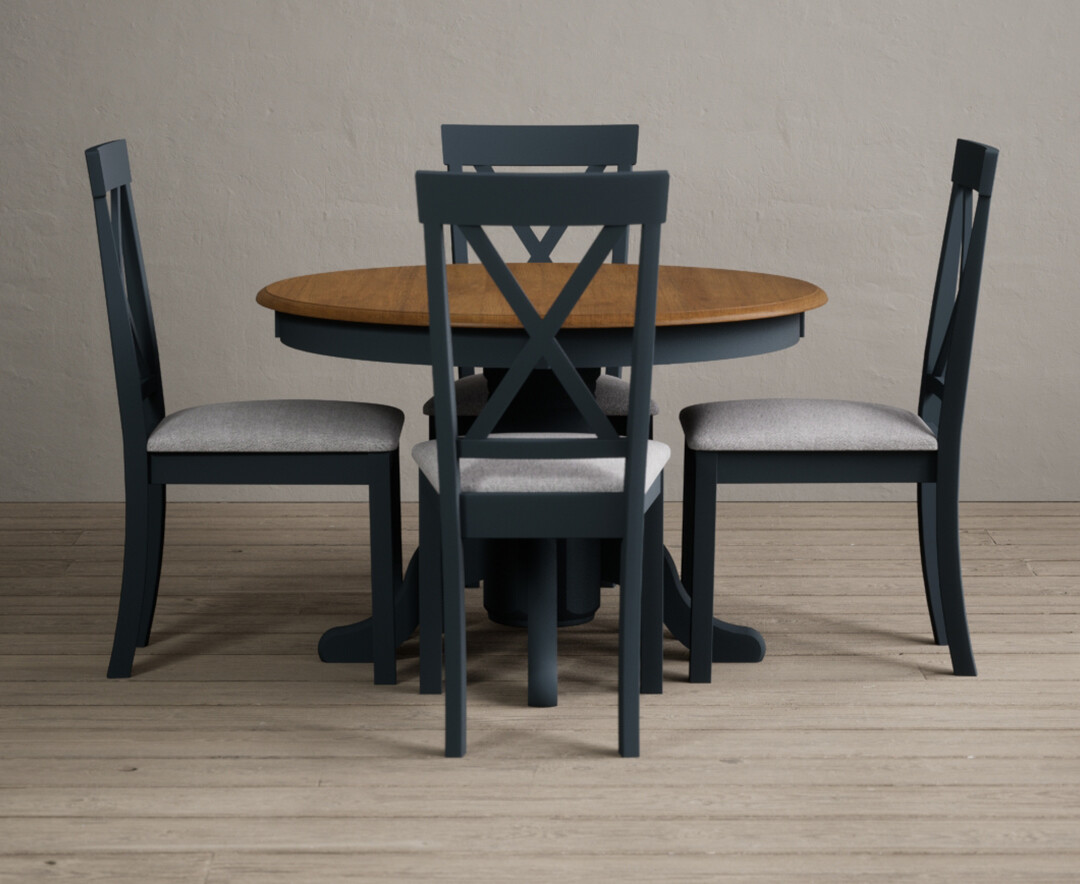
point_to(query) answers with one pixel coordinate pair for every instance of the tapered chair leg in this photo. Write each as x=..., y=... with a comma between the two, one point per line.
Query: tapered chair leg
x=543, y=625
x=702, y=513
x=950, y=581
x=155, y=542
x=430, y=601
x=580, y=576
x=927, y=507
x=630, y=648
x=454, y=624
x=384, y=578
x=395, y=513
x=475, y=555
x=133, y=588
x=652, y=601
x=686, y=566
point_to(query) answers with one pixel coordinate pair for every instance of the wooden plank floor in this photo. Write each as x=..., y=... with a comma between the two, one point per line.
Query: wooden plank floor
x=849, y=754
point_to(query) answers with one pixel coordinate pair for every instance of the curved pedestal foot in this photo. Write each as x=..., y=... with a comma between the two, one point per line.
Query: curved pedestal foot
x=352, y=643
x=731, y=643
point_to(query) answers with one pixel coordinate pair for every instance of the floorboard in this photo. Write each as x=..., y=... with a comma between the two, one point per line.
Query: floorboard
x=233, y=755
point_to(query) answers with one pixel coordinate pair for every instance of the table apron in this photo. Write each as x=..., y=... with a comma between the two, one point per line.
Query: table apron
x=410, y=345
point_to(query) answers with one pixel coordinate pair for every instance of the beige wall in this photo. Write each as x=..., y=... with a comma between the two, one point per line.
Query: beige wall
x=270, y=139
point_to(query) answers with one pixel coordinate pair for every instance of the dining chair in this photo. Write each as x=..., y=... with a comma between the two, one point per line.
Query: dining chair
x=828, y=440
x=295, y=441
x=598, y=484
x=484, y=148
x=595, y=149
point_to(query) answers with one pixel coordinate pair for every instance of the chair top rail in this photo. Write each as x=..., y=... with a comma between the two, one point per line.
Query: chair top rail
x=974, y=166
x=479, y=145
x=108, y=167
x=542, y=198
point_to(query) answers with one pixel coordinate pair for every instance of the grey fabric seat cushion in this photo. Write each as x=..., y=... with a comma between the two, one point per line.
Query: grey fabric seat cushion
x=278, y=426
x=803, y=425
x=612, y=395
x=528, y=476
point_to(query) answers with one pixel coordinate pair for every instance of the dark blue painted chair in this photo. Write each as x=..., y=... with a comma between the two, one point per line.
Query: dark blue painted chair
x=825, y=440
x=595, y=149
x=309, y=441
x=599, y=484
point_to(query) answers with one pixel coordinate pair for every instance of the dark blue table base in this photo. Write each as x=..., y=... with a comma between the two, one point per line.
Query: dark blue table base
x=731, y=643
x=352, y=643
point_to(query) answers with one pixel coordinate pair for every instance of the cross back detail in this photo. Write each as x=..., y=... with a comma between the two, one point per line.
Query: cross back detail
x=131, y=320
x=952, y=317
x=543, y=348
x=476, y=203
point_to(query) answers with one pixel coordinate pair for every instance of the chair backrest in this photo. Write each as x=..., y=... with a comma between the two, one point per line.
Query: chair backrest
x=474, y=202
x=484, y=147
x=947, y=358
x=131, y=321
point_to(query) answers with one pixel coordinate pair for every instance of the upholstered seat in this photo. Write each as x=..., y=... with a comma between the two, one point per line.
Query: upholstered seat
x=612, y=395
x=279, y=426
x=598, y=475
x=803, y=425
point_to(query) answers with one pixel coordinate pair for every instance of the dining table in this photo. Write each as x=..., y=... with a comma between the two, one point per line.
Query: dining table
x=380, y=314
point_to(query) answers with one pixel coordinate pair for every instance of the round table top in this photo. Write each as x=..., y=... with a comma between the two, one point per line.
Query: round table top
x=686, y=296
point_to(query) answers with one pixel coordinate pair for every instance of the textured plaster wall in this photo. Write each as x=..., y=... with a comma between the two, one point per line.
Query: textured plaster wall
x=271, y=139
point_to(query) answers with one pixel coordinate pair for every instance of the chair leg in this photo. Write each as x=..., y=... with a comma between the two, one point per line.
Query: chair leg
x=385, y=534
x=133, y=587
x=543, y=621
x=580, y=576
x=927, y=506
x=686, y=565
x=630, y=646
x=475, y=555
x=453, y=597
x=395, y=515
x=699, y=510
x=155, y=542
x=430, y=600
x=652, y=601
x=949, y=577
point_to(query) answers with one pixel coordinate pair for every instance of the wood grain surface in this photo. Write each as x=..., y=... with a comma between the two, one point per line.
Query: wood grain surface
x=398, y=295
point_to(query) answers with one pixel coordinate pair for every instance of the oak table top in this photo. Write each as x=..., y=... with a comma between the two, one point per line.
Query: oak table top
x=686, y=296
